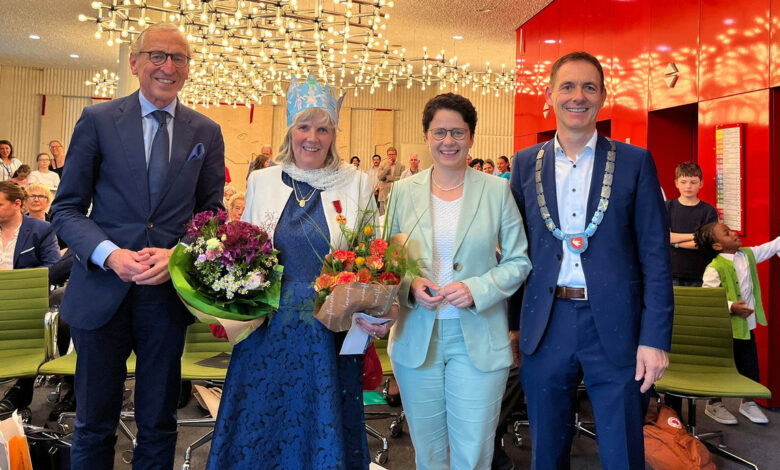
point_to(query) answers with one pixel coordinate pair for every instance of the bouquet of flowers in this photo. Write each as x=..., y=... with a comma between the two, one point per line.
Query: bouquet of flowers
x=365, y=277
x=227, y=273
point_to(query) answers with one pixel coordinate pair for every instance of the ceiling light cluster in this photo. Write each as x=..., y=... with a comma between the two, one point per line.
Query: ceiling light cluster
x=104, y=82
x=245, y=51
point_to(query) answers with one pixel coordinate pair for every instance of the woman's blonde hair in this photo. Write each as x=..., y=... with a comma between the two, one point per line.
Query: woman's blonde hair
x=234, y=198
x=41, y=188
x=318, y=117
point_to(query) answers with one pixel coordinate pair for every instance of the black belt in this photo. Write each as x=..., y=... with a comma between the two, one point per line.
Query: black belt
x=573, y=293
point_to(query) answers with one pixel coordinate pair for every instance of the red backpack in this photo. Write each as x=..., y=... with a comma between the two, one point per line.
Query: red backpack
x=669, y=446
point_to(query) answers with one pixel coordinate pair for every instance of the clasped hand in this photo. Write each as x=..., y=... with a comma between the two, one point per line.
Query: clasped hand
x=380, y=330
x=146, y=267
x=456, y=293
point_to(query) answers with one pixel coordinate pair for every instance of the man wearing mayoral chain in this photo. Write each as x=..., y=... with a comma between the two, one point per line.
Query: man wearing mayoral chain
x=598, y=304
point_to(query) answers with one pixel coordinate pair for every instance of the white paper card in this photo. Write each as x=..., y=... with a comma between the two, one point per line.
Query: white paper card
x=356, y=341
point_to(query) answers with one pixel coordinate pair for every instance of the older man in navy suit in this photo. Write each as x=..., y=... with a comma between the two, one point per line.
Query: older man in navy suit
x=146, y=163
x=598, y=304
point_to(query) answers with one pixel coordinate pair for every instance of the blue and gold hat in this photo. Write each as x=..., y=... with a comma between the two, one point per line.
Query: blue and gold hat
x=311, y=94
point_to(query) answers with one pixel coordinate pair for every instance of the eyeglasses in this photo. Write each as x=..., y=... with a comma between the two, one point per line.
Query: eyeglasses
x=160, y=57
x=440, y=133
x=38, y=197
x=55, y=146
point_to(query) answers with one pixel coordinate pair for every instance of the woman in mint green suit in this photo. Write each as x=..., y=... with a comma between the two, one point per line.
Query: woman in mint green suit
x=450, y=346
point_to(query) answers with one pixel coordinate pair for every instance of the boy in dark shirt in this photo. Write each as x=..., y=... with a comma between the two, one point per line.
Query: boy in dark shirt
x=686, y=214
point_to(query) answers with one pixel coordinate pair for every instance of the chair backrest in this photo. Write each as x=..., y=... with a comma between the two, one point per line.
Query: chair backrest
x=24, y=301
x=199, y=339
x=702, y=329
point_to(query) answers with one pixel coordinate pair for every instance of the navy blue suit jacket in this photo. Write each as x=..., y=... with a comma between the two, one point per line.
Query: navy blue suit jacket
x=107, y=168
x=36, y=245
x=626, y=264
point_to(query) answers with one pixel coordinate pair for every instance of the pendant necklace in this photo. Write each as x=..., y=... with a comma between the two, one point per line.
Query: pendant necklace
x=577, y=242
x=447, y=189
x=302, y=200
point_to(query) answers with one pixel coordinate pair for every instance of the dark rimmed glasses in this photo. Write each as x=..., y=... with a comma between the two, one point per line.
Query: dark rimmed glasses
x=440, y=133
x=159, y=58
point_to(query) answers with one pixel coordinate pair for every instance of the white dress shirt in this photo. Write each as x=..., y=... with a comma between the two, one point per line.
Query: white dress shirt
x=572, y=186
x=50, y=178
x=711, y=278
x=7, y=251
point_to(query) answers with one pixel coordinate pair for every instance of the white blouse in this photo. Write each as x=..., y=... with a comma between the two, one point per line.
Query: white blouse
x=445, y=225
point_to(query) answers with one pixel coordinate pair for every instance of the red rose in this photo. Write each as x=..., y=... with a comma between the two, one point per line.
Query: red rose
x=364, y=275
x=374, y=262
x=326, y=281
x=345, y=277
x=378, y=247
x=389, y=279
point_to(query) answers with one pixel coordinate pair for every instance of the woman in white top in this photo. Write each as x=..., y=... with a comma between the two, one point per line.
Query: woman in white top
x=450, y=346
x=43, y=174
x=8, y=163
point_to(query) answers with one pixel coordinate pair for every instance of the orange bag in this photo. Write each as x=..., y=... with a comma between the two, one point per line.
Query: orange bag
x=14, y=453
x=669, y=446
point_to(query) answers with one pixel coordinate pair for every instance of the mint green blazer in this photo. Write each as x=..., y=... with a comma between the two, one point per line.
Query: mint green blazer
x=488, y=218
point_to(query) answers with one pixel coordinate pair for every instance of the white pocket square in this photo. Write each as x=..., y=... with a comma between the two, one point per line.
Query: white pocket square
x=27, y=250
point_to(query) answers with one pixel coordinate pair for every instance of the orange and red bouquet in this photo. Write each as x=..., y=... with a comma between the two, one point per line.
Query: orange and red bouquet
x=363, y=277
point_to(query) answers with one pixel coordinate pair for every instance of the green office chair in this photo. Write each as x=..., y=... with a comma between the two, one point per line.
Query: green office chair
x=201, y=345
x=66, y=365
x=24, y=304
x=701, y=362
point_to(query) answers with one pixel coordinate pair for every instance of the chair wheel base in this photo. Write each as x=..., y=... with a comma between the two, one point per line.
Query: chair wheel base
x=381, y=457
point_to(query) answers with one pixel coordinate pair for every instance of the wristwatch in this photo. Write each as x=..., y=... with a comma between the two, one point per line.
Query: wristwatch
x=676, y=245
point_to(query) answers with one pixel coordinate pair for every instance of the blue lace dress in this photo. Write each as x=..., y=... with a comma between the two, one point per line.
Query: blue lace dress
x=290, y=401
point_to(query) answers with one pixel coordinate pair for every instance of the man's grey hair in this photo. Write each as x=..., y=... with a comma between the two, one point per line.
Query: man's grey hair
x=139, y=41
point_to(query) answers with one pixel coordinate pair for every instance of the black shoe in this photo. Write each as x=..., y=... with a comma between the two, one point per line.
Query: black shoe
x=66, y=404
x=10, y=401
x=185, y=394
x=501, y=461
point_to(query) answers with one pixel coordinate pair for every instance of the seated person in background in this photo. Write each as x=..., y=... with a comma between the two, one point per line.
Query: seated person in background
x=686, y=214
x=734, y=268
x=476, y=163
x=24, y=243
x=235, y=206
x=43, y=174
x=22, y=175
x=502, y=167
x=261, y=161
x=229, y=192
x=38, y=201
x=488, y=167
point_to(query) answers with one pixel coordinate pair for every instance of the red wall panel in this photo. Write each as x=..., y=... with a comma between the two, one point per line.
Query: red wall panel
x=527, y=114
x=629, y=72
x=734, y=55
x=774, y=44
x=673, y=39
x=548, y=21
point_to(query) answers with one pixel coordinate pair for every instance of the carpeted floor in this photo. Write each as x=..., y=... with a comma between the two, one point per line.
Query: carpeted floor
x=754, y=442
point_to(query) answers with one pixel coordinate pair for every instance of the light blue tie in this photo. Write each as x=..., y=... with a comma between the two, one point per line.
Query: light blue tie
x=157, y=170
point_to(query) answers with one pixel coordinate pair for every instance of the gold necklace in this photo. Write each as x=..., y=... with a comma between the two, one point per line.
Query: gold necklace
x=302, y=200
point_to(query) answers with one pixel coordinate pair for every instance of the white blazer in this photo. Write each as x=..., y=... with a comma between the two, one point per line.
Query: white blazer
x=266, y=196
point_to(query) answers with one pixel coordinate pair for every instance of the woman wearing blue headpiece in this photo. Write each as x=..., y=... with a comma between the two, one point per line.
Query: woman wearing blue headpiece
x=290, y=400
x=450, y=347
